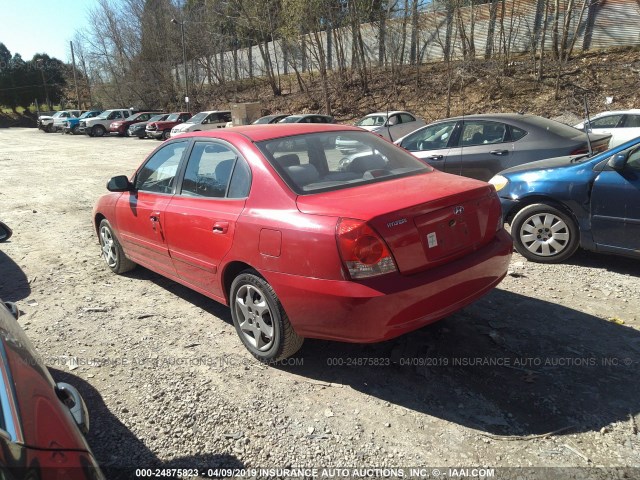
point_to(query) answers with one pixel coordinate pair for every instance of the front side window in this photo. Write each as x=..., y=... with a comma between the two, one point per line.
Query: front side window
x=482, y=133
x=432, y=137
x=610, y=121
x=158, y=173
x=633, y=161
x=313, y=162
x=372, y=121
x=209, y=170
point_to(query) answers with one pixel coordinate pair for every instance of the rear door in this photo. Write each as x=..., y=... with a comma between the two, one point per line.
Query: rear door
x=483, y=149
x=140, y=214
x=615, y=206
x=201, y=218
x=433, y=143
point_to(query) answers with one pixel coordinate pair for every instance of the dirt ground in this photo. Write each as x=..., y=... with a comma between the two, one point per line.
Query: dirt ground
x=168, y=384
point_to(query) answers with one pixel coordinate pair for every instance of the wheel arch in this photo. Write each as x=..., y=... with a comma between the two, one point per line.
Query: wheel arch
x=533, y=199
x=96, y=221
x=229, y=273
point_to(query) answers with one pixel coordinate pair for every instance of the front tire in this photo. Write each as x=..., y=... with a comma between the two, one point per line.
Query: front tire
x=112, y=252
x=74, y=130
x=166, y=134
x=98, y=131
x=260, y=320
x=545, y=234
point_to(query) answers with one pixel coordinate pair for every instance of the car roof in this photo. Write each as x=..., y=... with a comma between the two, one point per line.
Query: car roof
x=390, y=112
x=258, y=133
x=614, y=112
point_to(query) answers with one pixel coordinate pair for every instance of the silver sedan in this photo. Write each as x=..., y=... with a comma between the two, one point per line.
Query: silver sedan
x=479, y=146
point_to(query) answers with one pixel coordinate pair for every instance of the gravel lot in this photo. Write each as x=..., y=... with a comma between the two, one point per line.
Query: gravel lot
x=167, y=382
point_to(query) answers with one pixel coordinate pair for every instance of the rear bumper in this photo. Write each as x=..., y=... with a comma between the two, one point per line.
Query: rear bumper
x=389, y=306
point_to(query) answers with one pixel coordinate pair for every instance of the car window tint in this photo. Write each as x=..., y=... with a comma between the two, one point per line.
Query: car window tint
x=482, y=133
x=517, y=133
x=432, y=137
x=406, y=118
x=208, y=170
x=240, y=180
x=159, y=172
x=610, y=121
x=632, y=121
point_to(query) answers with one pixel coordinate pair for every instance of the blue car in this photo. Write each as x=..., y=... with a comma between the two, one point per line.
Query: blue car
x=555, y=206
x=71, y=124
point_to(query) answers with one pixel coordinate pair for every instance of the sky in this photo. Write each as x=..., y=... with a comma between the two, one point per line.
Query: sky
x=28, y=27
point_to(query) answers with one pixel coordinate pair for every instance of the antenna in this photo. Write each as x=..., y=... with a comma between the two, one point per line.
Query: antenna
x=388, y=126
x=587, y=124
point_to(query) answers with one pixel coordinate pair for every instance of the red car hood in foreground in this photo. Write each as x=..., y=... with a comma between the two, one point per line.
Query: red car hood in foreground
x=433, y=220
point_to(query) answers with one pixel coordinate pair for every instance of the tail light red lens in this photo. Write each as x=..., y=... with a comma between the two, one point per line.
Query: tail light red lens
x=363, y=252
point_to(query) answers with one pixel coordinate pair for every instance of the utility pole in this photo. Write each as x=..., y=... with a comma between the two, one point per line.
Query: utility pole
x=184, y=63
x=75, y=78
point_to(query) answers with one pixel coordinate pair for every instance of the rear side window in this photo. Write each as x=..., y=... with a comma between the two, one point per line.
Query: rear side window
x=483, y=133
x=517, y=133
x=406, y=118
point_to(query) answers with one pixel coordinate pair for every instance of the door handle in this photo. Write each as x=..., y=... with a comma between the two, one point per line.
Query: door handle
x=435, y=157
x=221, y=227
x=499, y=152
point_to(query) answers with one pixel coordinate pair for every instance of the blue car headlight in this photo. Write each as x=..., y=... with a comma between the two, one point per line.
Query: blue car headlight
x=498, y=182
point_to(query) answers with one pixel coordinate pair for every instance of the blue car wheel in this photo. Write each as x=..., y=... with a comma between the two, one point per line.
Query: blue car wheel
x=544, y=234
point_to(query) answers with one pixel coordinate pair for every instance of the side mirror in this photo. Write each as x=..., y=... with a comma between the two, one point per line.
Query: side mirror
x=119, y=183
x=5, y=232
x=618, y=161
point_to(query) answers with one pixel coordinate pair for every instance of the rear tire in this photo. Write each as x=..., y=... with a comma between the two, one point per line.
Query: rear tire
x=545, y=234
x=260, y=320
x=112, y=252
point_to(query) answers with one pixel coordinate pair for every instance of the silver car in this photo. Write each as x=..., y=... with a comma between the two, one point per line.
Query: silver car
x=390, y=125
x=479, y=146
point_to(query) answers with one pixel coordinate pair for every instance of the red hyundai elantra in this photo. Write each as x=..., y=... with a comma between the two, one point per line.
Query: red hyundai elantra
x=301, y=241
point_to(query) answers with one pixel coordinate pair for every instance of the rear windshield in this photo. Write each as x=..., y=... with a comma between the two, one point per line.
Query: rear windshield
x=313, y=162
x=560, y=129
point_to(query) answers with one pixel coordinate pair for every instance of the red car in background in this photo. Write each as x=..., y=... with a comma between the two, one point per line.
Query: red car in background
x=162, y=130
x=121, y=127
x=272, y=221
x=41, y=422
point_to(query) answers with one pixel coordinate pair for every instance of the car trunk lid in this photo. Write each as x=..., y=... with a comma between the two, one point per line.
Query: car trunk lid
x=437, y=217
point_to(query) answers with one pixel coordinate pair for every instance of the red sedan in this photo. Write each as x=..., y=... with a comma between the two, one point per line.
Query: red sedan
x=302, y=242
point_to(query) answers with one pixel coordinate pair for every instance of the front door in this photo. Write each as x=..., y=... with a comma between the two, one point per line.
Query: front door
x=201, y=217
x=432, y=143
x=615, y=206
x=140, y=213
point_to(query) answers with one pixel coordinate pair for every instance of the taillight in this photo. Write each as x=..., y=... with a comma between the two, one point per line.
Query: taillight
x=363, y=252
x=580, y=151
